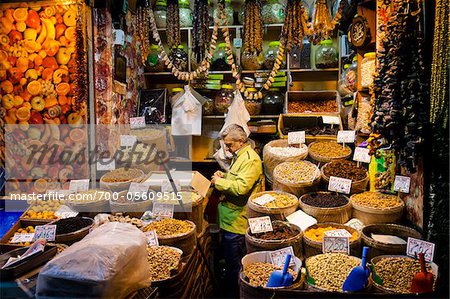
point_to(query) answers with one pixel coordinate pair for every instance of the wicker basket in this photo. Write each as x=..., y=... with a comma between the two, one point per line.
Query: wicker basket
x=357, y=186
x=255, y=210
x=338, y=214
x=323, y=159
x=186, y=241
x=130, y=207
x=298, y=189
x=369, y=215
x=73, y=237
x=120, y=186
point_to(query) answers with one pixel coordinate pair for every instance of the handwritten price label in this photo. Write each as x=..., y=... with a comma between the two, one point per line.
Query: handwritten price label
x=106, y=164
x=19, y=238
x=362, y=155
x=296, y=137
x=163, y=210
x=332, y=120
x=402, y=183
x=127, y=140
x=79, y=185
x=340, y=185
x=138, y=189
x=278, y=257
x=152, y=238
x=65, y=212
x=338, y=233
x=166, y=186
x=47, y=232
x=262, y=200
x=416, y=246
x=137, y=122
x=346, y=136
x=260, y=224
x=335, y=244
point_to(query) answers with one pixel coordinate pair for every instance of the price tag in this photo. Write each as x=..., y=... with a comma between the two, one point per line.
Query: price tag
x=402, y=183
x=416, y=246
x=278, y=257
x=47, y=232
x=335, y=244
x=65, y=212
x=137, y=122
x=162, y=210
x=346, y=136
x=127, y=140
x=166, y=186
x=260, y=224
x=361, y=154
x=355, y=223
x=262, y=200
x=138, y=188
x=296, y=137
x=332, y=120
x=22, y=238
x=106, y=164
x=79, y=185
x=338, y=233
x=152, y=238
x=340, y=185
x=237, y=42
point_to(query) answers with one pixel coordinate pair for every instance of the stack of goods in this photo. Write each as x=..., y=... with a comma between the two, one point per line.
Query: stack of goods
x=297, y=178
x=325, y=151
x=347, y=170
x=377, y=207
x=258, y=273
x=326, y=206
x=163, y=262
x=119, y=179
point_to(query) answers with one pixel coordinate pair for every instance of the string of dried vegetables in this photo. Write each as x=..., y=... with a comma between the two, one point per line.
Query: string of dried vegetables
x=143, y=35
x=173, y=24
x=295, y=24
x=81, y=78
x=200, y=29
x=253, y=27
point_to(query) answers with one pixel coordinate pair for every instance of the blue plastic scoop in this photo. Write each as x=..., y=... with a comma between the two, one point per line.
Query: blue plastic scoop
x=357, y=279
x=281, y=278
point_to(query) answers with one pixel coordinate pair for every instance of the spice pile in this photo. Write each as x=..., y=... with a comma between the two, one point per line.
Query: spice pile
x=330, y=270
x=317, y=234
x=397, y=273
x=163, y=261
x=329, y=149
x=287, y=152
x=259, y=273
x=70, y=225
x=312, y=106
x=296, y=172
x=282, y=200
x=345, y=169
x=169, y=227
x=325, y=200
x=122, y=175
x=377, y=200
x=281, y=231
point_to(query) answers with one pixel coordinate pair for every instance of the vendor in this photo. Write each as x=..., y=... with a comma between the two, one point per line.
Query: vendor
x=242, y=179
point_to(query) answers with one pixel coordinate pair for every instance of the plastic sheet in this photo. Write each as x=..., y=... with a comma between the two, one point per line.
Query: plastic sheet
x=110, y=262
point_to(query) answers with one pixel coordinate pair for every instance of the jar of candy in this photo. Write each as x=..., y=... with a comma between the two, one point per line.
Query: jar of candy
x=272, y=103
x=272, y=12
x=271, y=54
x=179, y=58
x=228, y=11
x=326, y=55
x=223, y=99
x=367, y=69
x=219, y=61
x=251, y=62
x=160, y=13
x=154, y=60
x=253, y=106
x=185, y=13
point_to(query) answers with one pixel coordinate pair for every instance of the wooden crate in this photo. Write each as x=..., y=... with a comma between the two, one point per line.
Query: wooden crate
x=299, y=96
x=21, y=223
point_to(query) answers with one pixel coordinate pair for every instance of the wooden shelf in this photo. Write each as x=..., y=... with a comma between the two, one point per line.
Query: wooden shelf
x=313, y=70
x=253, y=72
x=229, y=27
x=252, y=116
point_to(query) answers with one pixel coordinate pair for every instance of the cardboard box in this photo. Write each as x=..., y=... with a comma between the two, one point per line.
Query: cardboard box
x=187, y=179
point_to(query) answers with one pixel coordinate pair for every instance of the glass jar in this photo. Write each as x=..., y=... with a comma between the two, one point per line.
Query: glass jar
x=179, y=58
x=154, y=60
x=272, y=103
x=208, y=106
x=271, y=54
x=160, y=13
x=367, y=69
x=305, y=54
x=251, y=62
x=219, y=61
x=253, y=106
x=228, y=11
x=223, y=99
x=185, y=13
x=272, y=12
x=326, y=55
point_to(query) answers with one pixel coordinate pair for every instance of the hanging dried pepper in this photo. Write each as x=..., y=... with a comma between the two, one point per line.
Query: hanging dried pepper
x=173, y=24
x=200, y=30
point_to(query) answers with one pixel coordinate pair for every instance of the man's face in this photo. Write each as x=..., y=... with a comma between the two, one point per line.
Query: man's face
x=232, y=145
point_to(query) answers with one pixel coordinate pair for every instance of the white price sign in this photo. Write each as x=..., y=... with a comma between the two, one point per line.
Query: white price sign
x=338, y=233
x=22, y=238
x=362, y=155
x=152, y=238
x=416, y=246
x=47, y=232
x=402, y=183
x=278, y=257
x=65, y=212
x=162, y=210
x=355, y=223
x=335, y=244
x=106, y=164
x=346, y=136
x=166, y=186
x=79, y=185
x=127, y=140
x=137, y=122
x=340, y=185
x=260, y=224
x=262, y=200
x=138, y=189
x=332, y=120
x=296, y=137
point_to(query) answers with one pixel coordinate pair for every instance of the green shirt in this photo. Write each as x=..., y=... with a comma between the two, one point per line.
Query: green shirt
x=242, y=180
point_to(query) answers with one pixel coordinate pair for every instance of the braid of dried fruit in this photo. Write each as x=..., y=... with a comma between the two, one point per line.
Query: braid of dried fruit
x=173, y=24
x=253, y=29
x=81, y=80
x=200, y=28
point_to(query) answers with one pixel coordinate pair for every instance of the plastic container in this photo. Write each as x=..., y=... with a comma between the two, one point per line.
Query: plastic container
x=271, y=54
x=251, y=62
x=272, y=12
x=154, y=60
x=179, y=58
x=367, y=69
x=160, y=13
x=224, y=99
x=185, y=13
x=219, y=61
x=326, y=55
x=273, y=102
x=228, y=11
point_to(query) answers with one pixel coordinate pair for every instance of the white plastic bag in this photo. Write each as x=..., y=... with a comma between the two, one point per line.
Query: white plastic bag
x=187, y=114
x=110, y=262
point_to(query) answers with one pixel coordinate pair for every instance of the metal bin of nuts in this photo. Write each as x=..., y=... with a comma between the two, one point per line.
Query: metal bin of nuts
x=377, y=207
x=296, y=178
x=276, y=204
x=347, y=170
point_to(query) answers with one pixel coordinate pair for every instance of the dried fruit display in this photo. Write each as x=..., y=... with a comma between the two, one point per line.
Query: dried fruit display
x=253, y=27
x=200, y=29
x=173, y=24
x=163, y=261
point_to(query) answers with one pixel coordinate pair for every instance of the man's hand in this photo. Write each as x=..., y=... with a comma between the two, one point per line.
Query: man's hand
x=219, y=173
x=215, y=178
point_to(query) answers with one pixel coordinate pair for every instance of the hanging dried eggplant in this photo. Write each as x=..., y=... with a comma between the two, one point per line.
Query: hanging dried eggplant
x=253, y=27
x=173, y=24
x=200, y=30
